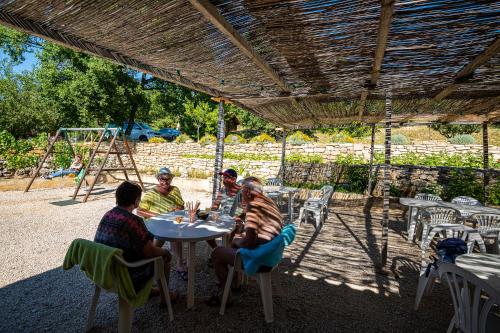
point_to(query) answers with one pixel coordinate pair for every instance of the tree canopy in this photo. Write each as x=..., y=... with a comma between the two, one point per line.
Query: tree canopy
x=68, y=88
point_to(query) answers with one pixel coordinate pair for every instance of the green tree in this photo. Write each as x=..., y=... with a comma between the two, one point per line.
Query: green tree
x=449, y=131
x=201, y=115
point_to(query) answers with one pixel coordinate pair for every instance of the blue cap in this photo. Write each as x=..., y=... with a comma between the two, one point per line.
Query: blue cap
x=164, y=171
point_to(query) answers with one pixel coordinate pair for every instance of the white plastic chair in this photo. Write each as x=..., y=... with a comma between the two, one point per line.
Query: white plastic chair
x=125, y=311
x=317, y=206
x=412, y=222
x=274, y=182
x=464, y=200
x=430, y=217
x=266, y=292
x=472, y=299
x=276, y=196
x=488, y=225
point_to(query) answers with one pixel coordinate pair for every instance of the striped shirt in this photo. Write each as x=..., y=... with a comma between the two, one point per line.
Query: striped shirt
x=158, y=203
x=264, y=217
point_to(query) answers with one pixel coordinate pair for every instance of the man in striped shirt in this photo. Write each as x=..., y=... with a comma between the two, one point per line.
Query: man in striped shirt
x=263, y=222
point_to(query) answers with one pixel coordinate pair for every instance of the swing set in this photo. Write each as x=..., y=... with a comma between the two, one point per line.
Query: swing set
x=111, y=135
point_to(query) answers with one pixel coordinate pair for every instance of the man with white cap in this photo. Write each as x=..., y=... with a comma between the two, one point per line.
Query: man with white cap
x=161, y=199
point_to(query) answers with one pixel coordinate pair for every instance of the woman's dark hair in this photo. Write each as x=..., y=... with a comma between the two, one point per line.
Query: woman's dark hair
x=127, y=193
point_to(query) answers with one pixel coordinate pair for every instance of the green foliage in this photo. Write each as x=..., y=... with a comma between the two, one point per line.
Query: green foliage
x=494, y=194
x=450, y=131
x=357, y=178
x=17, y=153
x=298, y=138
x=462, y=139
x=394, y=191
x=262, y=139
x=399, y=139
x=349, y=159
x=157, y=140
x=462, y=182
x=203, y=116
x=251, y=121
x=234, y=139
x=467, y=160
x=436, y=189
x=236, y=156
x=183, y=138
x=208, y=140
x=302, y=158
x=341, y=137
x=241, y=169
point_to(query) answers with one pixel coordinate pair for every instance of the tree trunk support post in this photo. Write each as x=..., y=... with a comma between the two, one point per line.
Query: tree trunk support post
x=283, y=153
x=219, y=150
x=387, y=181
x=485, y=162
x=372, y=149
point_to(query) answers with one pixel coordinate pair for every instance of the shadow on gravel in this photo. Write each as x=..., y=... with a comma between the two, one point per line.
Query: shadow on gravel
x=326, y=282
x=64, y=203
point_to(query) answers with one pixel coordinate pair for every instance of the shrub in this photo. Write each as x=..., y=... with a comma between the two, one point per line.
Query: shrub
x=298, y=138
x=183, y=138
x=462, y=139
x=357, y=177
x=241, y=169
x=157, y=140
x=494, y=194
x=234, y=139
x=462, y=182
x=301, y=158
x=349, y=159
x=399, y=139
x=450, y=131
x=208, y=140
x=436, y=189
x=262, y=139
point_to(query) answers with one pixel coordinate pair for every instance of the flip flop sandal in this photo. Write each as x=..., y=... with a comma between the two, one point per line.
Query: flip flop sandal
x=183, y=275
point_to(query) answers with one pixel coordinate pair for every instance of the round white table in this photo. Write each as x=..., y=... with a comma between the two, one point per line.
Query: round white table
x=485, y=265
x=164, y=227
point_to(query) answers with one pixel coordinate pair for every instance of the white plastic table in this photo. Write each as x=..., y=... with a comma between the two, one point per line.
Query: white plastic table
x=485, y=265
x=164, y=227
x=465, y=210
x=288, y=190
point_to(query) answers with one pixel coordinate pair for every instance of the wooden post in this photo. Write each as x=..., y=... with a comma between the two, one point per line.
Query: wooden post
x=372, y=148
x=40, y=165
x=387, y=182
x=283, y=152
x=485, y=163
x=219, y=151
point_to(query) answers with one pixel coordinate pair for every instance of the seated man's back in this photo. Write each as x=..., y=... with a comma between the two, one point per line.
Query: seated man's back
x=264, y=217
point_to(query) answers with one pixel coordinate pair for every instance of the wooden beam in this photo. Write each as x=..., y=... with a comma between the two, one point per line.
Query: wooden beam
x=486, y=105
x=60, y=37
x=382, y=36
x=470, y=68
x=362, y=103
x=211, y=13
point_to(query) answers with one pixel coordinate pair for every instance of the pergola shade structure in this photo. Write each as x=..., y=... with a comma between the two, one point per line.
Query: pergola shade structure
x=296, y=63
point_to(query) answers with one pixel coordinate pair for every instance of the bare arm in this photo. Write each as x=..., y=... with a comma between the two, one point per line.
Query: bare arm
x=145, y=213
x=249, y=240
x=151, y=251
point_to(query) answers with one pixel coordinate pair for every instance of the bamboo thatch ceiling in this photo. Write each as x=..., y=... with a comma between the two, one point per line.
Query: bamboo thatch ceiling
x=296, y=63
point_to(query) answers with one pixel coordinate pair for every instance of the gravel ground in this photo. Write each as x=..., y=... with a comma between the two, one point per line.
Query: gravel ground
x=326, y=282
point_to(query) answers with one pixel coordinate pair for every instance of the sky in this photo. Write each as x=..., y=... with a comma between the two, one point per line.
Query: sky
x=26, y=65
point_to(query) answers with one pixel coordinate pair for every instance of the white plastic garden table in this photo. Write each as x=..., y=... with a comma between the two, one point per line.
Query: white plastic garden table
x=164, y=227
x=288, y=190
x=465, y=210
x=485, y=265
